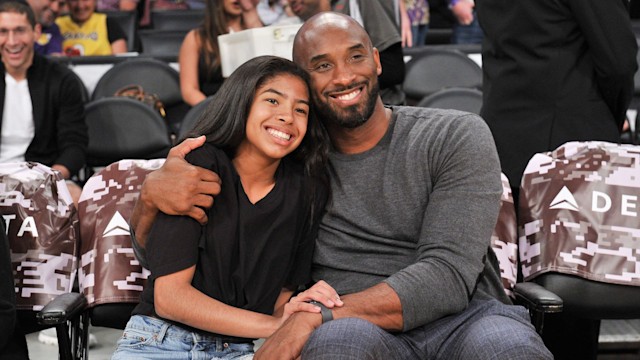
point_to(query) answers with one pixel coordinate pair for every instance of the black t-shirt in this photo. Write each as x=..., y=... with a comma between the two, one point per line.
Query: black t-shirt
x=209, y=82
x=115, y=31
x=247, y=252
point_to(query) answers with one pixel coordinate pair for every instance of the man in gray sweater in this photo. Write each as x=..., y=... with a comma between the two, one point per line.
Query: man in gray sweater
x=405, y=238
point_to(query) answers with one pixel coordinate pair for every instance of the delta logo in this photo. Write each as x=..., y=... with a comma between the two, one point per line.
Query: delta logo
x=600, y=202
x=116, y=226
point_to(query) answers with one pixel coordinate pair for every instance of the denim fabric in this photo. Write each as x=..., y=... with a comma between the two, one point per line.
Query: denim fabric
x=468, y=34
x=150, y=338
x=486, y=330
x=419, y=34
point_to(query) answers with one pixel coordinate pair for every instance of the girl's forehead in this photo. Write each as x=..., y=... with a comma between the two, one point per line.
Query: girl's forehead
x=286, y=82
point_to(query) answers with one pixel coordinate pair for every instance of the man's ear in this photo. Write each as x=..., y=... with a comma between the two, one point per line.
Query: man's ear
x=376, y=58
x=38, y=31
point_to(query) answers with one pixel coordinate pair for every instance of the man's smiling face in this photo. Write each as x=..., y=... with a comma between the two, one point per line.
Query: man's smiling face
x=344, y=69
x=17, y=38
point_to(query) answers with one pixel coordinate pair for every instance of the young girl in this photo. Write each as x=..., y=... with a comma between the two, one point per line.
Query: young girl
x=200, y=72
x=222, y=285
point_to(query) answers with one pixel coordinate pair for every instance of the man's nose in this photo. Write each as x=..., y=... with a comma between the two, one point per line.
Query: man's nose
x=343, y=74
x=11, y=37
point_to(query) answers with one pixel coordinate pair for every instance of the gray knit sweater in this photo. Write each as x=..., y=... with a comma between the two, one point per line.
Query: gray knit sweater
x=416, y=212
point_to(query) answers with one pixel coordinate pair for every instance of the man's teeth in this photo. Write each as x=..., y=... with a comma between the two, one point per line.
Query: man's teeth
x=279, y=134
x=349, y=96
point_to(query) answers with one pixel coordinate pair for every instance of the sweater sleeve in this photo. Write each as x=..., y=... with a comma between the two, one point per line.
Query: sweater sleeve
x=73, y=136
x=462, y=166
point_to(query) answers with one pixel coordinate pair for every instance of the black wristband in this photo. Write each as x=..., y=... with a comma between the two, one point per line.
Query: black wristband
x=327, y=314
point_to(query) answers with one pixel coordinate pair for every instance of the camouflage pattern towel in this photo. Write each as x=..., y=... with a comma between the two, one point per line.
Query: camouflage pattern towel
x=579, y=213
x=42, y=226
x=109, y=271
x=504, y=239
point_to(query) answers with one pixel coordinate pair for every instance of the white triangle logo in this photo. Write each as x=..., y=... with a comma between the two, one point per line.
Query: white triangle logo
x=564, y=200
x=117, y=226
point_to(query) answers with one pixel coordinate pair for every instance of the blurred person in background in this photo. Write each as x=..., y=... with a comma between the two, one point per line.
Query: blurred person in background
x=50, y=40
x=276, y=12
x=417, y=18
x=117, y=5
x=555, y=71
x=200, y=70
x=466, y=29
x=13, y=344
x=40, y=101
x=87, y=33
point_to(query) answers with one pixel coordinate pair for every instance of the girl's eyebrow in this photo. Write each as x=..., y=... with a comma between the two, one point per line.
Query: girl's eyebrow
x=271, y=90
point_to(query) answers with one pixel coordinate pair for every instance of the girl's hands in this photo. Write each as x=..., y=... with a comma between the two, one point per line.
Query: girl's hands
x=320, y=292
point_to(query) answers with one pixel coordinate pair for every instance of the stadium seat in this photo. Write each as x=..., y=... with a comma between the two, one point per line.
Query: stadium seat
x=432, y=70
x=110, y=276
x=155, y=77
x=128, y=21
x=176, y=20
x=122, y=128
x=578, y=223
x=161, y=42
x=504, y=242
x=463, y=99
x=42, y=230
x=193, y=116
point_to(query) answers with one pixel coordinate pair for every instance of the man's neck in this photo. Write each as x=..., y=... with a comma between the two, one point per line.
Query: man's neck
x=364, y=137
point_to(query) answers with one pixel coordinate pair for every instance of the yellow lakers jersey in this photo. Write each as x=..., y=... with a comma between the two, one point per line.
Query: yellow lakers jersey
x=90, y=38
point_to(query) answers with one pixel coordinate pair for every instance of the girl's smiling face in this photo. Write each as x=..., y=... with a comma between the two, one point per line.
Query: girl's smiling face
x=278, y=118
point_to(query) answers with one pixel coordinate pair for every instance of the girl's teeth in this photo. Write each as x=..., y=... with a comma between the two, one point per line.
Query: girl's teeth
x=279, y=134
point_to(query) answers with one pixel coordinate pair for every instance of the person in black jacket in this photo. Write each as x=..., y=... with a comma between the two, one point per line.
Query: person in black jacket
x=13, y=344
x=555, y=71
x=41, y=103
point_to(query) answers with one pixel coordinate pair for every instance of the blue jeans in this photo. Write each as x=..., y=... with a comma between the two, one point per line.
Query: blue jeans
x=419, y=34
x=486, y=330
x=468, y=34
x=150, y=338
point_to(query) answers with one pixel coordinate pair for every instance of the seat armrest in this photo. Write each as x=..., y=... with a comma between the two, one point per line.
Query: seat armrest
x=62, y=308
x=536, y=298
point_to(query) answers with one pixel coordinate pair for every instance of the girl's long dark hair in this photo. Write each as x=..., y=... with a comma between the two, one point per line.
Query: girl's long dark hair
x=224, y=123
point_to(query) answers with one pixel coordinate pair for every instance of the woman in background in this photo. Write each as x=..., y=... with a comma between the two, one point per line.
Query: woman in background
x=200, y=71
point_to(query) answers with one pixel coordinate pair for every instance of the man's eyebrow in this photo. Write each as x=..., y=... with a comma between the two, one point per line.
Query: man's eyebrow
x=357, y=46
x=271, y=90
x=317, y=58
x=13, y=28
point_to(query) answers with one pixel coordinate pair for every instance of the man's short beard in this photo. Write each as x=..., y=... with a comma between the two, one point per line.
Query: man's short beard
x=354, y=118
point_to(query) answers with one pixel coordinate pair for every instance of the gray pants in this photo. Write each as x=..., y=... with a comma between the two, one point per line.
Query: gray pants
x=485, y=330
